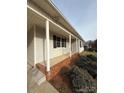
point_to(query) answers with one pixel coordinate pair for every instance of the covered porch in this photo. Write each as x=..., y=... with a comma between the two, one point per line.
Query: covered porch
x=40, y=40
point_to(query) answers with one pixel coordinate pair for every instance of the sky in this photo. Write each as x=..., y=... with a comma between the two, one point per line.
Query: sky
x=81, y=14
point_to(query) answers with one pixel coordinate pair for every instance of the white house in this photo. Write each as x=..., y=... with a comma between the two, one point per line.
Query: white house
x=50, y=37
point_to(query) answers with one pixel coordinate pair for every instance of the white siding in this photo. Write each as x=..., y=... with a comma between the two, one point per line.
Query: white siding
x=81, y=49
x=54, y=52
x=40, y=42
x=73, y=46
x=41, y=46
x=30, y=47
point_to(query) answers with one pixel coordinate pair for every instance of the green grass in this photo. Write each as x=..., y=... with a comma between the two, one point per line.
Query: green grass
x=85, y=53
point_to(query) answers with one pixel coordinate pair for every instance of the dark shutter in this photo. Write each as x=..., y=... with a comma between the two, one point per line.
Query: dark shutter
x=54, y=41
x=65, y=43
x=62, y=42
x=80, y=44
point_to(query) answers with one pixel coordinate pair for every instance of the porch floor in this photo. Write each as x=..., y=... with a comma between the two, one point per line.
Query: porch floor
x=58, y=59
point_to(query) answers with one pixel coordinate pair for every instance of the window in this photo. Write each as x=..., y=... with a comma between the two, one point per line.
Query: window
x=58, y=41
x=54, y=41
x=63, y=42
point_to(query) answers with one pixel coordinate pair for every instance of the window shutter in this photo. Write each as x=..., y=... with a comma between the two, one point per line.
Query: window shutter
x=54, y=41
x=80, y=43
x=62, y=42
x=65, y=42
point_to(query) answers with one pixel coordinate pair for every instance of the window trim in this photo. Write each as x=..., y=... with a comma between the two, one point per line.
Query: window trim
x=59, y=42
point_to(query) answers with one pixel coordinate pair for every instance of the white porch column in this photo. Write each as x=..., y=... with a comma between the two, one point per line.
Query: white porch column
x=76, y=46
x=35, y=45
x=79, y=45
x=70, y=44
x=47, y=46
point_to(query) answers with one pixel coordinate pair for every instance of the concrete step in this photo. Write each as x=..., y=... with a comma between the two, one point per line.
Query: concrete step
x=36, y=75
x=34, y=79
x=37, y=83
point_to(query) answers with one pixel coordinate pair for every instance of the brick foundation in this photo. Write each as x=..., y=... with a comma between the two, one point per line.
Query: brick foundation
x=56, y=68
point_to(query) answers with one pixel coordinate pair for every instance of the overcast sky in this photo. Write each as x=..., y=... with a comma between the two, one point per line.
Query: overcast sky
x=82, y=15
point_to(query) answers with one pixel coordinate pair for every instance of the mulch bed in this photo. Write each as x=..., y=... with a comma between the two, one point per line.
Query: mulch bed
x=62, y=84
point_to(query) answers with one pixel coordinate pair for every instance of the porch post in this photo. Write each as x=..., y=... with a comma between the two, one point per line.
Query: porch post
x=76, y=46
x=70, y=44
x=47, y=46
x=79, y=45
x=34, y=44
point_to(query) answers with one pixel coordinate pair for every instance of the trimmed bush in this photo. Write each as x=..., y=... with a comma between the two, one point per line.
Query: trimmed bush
x=93, y=58
x=82, y=82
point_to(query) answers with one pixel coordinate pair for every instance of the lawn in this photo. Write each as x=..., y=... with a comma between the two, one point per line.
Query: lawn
x=85, y=53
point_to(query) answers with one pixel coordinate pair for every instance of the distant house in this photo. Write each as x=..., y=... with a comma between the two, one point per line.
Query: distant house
x=91, y=45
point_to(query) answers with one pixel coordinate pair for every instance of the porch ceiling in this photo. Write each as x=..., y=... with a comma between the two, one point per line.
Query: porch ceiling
x=34, y=19
x=58, y=31
x=50, y=9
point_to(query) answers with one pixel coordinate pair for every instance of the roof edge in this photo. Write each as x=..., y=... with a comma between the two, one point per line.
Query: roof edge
x=51, y=2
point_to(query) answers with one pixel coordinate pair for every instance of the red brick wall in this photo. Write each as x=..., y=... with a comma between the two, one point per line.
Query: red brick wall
x=56, y=68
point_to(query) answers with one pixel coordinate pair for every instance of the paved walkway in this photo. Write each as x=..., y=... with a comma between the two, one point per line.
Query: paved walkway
x=37, y=83
x=46, y=87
